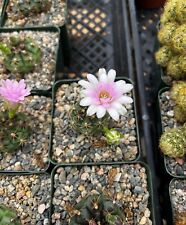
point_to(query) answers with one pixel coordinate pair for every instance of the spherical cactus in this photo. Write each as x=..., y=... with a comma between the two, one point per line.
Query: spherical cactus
x=166, y=32
x=169, y=14
x=87, y=125
x=14, y=133
x=163, y=55
x=173, y=142
x=8, y=216
x=21, y=56
x=179, y=114
x=181, y=11
x=182, y=60
x=179, y=39
x=174, y=68
x=97, y=210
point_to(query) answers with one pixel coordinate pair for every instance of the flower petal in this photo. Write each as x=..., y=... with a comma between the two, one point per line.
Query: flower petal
x=122, y=111
x=92, y=79
x=100, y=112
x=85, y=84
x=125, y=100
x=86, y=101
x=101, y=71
x=113, y=113
x=111, y=75
x=92, y=109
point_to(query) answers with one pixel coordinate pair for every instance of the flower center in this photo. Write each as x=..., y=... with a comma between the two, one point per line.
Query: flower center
x=104, y=94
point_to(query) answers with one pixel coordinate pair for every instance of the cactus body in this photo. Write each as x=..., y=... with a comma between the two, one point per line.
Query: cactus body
x=13, y=132
x=28, y=8
x=163, y=55
x=8, y=216
x=20, y=55
x=87, y=125
x=173, y=142
x=97, y=210
x=172, y=37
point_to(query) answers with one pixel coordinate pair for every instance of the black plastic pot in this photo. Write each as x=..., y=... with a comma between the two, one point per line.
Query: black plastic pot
x=161, y=129
x=47, y=166
x=114, y=164
x=39, y=29
x=55, y=88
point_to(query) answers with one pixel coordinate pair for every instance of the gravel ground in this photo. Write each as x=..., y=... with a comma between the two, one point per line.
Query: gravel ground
x=168, y=122
x=29, y=195
x=126, y=184
x=34, y=155
x=56, y=16
x=69, y=146
x=178, y=197
x=43, y=75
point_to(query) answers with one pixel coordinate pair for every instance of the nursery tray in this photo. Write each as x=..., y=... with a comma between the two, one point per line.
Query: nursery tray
x=40, y=29
x=114, y=164
x=136, y=114
x=160, y=129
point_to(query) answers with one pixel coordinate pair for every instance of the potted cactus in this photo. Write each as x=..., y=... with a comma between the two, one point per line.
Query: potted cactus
x=177, y=195
x=172, y=38
x=8, y=216
x=94, y=117
x=173, y=140
x=105, y=194
x=28, y=194
x=25, y=127
x=29, y=54
x=18, y=13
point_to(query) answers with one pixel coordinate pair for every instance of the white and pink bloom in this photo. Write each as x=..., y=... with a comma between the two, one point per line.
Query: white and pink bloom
x=13, y=91
x=104, y=95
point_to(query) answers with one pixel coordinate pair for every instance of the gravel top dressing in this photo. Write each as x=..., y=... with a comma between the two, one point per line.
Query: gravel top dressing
x=43, y=75
x=168, y=121
x=29, y=195
x=33, y=155
x=55, y=16
x=178, y=197
x=126, y=185
x=70, y=146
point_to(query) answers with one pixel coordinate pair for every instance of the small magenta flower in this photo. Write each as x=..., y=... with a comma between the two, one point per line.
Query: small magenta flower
x=103, y=95
x=13, y=93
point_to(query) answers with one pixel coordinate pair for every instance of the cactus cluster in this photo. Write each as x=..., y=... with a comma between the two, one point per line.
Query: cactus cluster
x=178, y=94
x=87, y=125
x=20, y=55
x=13, y=132
x=8, y=216
x=97, y=210
x=28, y=8
x=173, y=142
x=172, y=37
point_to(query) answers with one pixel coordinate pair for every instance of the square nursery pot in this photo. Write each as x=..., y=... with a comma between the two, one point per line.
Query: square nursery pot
x=33, y=155
x=29, y=195
x=167, y=121
x=177, y=192
x=128, y=185
x=54, y=16
x=69, y=146
x=47, y=40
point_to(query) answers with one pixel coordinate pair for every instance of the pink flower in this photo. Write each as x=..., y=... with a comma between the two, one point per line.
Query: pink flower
x=104, y=95
x=13, y=91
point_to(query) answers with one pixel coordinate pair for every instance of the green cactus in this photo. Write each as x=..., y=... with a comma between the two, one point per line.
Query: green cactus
x=172, y=37
x=13, y=132
x=173, y=142
x=113, y=136
x=21, y=55
x=97, y=210
x=166, y=32
x=178, y=94
x=163, y=55
x=28, y=8
x=8, y=216
x=174, y=69
x=87, y=125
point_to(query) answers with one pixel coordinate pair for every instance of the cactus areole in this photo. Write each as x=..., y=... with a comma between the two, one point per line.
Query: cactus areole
x=97, y=210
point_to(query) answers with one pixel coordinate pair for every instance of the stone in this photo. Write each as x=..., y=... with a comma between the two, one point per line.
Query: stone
x=41, y=208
